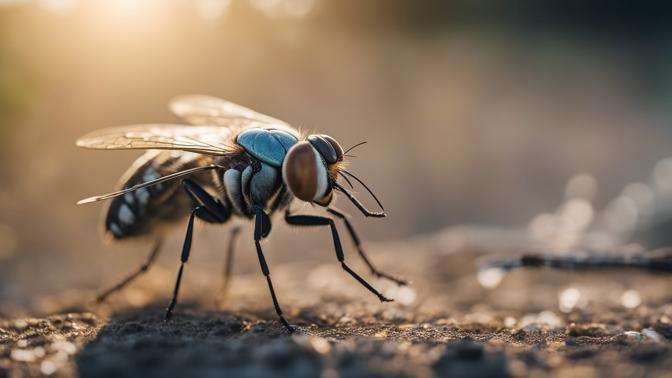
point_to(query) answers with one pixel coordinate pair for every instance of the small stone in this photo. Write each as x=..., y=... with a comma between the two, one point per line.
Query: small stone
x=629, y=337
x=652, y=335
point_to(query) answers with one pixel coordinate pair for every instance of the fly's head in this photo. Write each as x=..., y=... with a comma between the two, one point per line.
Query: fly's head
x=310, y=168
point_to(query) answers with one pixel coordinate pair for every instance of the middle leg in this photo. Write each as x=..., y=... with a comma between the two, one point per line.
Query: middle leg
x=261, y=227
x=205, y=207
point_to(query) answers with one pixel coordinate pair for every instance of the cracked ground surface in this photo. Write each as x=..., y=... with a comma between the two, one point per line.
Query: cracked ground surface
x=534, y=322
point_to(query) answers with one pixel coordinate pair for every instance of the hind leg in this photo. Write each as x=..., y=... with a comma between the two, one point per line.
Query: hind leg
x=228, y=264
x=156, y=249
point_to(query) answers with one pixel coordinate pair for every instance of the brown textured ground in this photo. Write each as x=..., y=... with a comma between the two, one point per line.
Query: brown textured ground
x=453, y=326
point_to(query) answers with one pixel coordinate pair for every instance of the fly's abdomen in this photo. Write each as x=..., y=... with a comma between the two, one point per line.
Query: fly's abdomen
x=149, y=210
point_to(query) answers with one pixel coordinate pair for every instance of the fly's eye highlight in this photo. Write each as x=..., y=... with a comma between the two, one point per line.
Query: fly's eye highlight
x=304, y=172
x=326, y=148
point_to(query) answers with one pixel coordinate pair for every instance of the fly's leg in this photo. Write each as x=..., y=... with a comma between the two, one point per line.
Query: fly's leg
x=207, y=208
x=309, y=220
x=216, y=211
x=262, y=227
x=184, y=257
x=360, y=249
x=228, y=264
x=156, y=249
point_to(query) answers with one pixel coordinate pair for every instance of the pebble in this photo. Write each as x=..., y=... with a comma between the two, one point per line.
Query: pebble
x=629, y=337
x=652, y=335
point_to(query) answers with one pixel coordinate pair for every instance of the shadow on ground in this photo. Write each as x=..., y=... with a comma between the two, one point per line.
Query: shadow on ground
x=202, y=343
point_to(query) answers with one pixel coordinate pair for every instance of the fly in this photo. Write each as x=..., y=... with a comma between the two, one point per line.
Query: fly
x=228, y=161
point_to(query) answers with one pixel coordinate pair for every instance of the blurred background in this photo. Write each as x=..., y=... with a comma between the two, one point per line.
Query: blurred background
x=538, y=117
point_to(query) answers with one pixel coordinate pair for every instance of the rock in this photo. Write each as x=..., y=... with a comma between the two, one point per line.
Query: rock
x=629, y=337
x=652, y=335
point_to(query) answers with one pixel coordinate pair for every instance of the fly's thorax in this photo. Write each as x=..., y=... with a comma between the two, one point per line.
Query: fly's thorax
x=269, y=145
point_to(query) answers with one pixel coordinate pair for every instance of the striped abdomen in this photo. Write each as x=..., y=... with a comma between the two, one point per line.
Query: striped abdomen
x=148, y=209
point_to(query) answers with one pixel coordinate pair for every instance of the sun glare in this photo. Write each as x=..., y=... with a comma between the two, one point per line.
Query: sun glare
x=284, y=8
x=61, y=7
x=206, y=9
x=211, y=9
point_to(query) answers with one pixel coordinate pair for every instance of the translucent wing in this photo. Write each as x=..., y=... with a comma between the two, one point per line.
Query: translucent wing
x=208, y=110
x=211, y=140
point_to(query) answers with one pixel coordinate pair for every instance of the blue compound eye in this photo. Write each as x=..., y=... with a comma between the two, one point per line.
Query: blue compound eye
x=325, y=148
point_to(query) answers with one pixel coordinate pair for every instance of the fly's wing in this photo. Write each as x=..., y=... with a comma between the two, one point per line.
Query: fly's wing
x=209, y=140
x=208, y=110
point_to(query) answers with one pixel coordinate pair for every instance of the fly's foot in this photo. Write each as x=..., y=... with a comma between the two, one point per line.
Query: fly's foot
x=385, y=299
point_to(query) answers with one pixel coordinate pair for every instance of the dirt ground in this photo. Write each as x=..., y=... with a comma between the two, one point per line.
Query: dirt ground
x=532, y=323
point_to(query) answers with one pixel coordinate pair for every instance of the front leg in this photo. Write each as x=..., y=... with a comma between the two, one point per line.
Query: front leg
x=360, y=249
x=310, y=220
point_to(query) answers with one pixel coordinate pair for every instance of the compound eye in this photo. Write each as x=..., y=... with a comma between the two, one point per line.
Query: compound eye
x=337, y=147
x=325, y=148
x=304, y=172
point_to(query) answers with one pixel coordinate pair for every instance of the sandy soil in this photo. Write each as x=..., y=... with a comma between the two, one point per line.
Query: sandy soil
x=535, y=322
